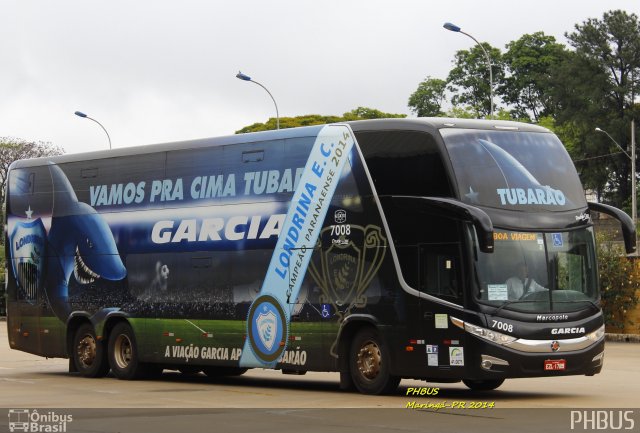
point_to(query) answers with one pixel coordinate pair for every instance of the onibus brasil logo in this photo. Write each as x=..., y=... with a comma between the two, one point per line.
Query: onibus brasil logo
x=31, y=421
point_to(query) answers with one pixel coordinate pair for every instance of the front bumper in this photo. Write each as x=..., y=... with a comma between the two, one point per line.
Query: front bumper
x=492, y=361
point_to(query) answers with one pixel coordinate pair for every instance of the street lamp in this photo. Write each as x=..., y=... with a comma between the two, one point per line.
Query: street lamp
x=632, y=157
x=244, y=77
x=455, y=28
x=81, y=114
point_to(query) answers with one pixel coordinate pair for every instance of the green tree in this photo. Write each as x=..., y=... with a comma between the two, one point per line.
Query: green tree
x=359, y=113
x=614, y=44
x=469, y=78
x=427, y=100
x=595, y=85
x=290, y=122
x=619, y=282
x=462, y=112
x=528, y=62
x=362, y=113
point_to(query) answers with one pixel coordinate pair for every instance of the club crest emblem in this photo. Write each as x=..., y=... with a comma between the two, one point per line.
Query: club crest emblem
x=27, y=257
x=267, y=327
x=345, y=269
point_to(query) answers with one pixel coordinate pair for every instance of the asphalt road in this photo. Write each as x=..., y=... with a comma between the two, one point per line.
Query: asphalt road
x=263, y=397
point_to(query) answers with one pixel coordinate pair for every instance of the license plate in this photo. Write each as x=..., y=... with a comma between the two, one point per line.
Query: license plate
x=555, y=364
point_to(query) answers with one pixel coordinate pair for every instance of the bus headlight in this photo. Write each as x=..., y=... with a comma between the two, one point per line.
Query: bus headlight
x=596, y=335
x=487, y=334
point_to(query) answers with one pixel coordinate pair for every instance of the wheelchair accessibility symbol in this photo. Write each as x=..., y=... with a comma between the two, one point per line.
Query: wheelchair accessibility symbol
x=326, y=311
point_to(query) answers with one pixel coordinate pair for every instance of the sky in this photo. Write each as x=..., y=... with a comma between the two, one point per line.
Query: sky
x=153, y=71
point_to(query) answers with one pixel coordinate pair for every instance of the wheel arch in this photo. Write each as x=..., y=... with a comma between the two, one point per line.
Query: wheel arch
x=348, y=329
x=74, y=322
x=102, y=324
x=111, y=323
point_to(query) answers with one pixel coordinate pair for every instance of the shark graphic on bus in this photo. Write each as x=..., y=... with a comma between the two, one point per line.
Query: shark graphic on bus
x=80, y=243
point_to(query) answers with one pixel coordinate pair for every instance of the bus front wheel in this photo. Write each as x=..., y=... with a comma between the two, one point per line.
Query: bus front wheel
x=369, y=364
x=123, y=353
x=483, y=385
x=89, y=354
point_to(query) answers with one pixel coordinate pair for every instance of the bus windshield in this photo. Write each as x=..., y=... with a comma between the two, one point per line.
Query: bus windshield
x=538, y=272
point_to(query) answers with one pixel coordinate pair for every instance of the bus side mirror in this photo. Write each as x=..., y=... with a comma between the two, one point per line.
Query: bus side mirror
x=482, y=224
x=626, y=223
x=454, y=208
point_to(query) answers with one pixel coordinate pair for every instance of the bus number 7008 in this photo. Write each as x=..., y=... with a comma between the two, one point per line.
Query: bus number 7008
x=502, y=326
x=340, y=229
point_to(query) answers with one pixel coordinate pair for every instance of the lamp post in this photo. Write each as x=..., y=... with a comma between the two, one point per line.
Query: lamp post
x=632, y=157
x=244, y=77
x=81, y=114
x=455, y=28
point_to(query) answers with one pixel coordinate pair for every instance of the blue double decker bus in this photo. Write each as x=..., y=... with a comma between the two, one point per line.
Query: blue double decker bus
x=438, y=249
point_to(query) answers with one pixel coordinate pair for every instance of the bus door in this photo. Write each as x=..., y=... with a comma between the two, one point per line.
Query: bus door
x=441, y=277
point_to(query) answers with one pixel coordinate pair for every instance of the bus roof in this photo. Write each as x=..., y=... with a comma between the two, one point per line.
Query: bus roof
x=422, y=123
x=444, y=122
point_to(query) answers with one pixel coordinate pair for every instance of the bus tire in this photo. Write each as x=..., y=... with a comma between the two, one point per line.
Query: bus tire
x=370, y=365
x=89, y=354
x=483, y=385
x=123, y=353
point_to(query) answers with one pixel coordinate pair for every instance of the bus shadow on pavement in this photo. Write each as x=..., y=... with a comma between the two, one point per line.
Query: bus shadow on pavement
x=445, y=391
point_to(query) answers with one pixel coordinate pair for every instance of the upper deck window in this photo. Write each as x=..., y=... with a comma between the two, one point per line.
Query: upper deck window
x=525, y=171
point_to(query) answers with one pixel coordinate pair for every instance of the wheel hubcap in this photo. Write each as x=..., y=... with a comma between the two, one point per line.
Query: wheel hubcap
x=123, y=351
x=86, y=351
x=369, y=360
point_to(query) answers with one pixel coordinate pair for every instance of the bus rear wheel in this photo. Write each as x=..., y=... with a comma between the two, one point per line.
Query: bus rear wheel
x=483, y=385
x=123, y=353
x=369, y=364
x=89, y=354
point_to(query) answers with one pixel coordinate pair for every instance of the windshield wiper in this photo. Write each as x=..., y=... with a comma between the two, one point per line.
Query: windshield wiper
x=515, y=301
x=591, y=303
